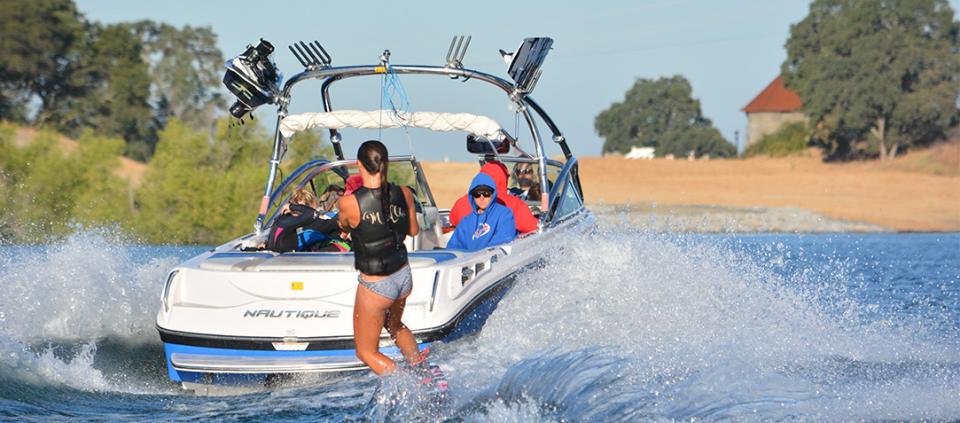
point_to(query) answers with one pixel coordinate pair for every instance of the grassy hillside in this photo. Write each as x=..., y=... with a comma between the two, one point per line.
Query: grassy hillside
x=131, y=170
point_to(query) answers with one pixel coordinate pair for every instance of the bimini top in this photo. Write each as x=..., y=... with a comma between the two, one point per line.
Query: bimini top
x=481, y=126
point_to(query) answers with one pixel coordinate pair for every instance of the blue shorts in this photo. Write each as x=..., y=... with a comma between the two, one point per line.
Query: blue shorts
x=396, y=285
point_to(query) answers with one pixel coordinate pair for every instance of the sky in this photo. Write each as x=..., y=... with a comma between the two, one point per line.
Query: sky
x=728, y=50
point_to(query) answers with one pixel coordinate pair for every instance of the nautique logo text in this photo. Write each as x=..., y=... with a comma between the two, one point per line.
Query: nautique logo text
x=293, y=314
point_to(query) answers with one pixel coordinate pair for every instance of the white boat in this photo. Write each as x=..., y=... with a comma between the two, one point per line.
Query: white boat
x=236, y=314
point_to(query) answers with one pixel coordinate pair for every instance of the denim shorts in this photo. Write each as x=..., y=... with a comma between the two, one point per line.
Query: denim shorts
x=396, y=285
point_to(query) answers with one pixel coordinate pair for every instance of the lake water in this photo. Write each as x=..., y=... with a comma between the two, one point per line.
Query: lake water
x=619, y=325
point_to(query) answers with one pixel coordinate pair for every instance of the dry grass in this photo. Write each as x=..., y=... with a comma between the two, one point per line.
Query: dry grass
x=941, y=159
x=909, y=194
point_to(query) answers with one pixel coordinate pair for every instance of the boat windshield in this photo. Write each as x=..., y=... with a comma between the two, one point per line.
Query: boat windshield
x=331, y=180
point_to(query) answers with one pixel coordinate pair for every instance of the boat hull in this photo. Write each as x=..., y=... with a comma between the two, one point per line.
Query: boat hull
x=204, y=359
x=235, y=318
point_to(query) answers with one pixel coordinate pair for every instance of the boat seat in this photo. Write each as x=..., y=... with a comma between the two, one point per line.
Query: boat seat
x=430, y=231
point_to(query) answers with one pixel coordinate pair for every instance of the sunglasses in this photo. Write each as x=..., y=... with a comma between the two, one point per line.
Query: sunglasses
x=524, y=171
x=484, y=194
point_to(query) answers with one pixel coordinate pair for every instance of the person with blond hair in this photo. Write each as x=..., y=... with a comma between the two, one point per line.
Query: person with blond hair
x=304, y=197
x=300, y=227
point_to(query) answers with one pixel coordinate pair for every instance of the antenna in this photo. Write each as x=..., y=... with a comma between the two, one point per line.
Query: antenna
x=312, y=56
x=458, y=49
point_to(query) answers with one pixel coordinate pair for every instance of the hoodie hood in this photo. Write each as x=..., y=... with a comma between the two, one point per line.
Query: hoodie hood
x=494, y=226
x=498, y=172
x=482, y=179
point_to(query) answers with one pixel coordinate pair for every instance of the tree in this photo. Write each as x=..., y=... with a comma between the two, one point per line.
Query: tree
x=46, y=185
x=114, y=101
x=202, y=189
x=876, y=76
x=7, y=165
x=39, y=44
x=82, y=75
x=46, y=188
x=186, y=68
x=123, y=80
x=104, y=198
x=306, y=146
x=662, y=114
x=790, y=139
x=125, y=103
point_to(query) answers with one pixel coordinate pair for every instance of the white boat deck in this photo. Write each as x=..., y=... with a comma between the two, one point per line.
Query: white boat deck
x=296, y=261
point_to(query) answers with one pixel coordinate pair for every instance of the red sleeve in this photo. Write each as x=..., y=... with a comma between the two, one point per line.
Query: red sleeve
x=522, y=216
x=460, y=209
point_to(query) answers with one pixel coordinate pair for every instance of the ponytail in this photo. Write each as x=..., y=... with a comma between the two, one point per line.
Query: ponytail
x=384, y=189
x=373, y=157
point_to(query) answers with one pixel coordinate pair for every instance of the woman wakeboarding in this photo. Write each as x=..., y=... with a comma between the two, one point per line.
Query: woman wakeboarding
x=378, y=216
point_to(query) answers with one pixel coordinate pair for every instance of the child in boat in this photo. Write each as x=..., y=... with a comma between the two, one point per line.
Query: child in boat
x=490, y=223
x=300, y=227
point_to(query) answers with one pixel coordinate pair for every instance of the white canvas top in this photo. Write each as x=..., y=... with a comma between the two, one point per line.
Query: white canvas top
x=482, y=126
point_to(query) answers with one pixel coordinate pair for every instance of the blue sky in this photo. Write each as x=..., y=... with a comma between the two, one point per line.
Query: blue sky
x=729, y=50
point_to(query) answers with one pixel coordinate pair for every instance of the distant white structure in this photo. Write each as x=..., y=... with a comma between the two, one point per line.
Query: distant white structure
x=641, y=153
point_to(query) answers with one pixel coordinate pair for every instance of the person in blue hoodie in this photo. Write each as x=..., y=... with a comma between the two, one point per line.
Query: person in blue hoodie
x=489, y=224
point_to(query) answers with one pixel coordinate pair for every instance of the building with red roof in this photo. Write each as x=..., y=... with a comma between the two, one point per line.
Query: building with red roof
x=775, y=106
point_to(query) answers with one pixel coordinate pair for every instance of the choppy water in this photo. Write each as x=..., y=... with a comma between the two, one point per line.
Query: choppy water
x=620, y=325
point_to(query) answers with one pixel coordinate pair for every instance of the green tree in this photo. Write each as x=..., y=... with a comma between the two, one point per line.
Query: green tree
x=246, y=150
x=306, y=146
x=83, y=75
x=40, y=41
x=662, y=114
x=123, y=80
x=171, y=193
x=117, y=87
x=7, y=165
x=126, y=111
x=186, y=68
x=48, y=187
x=876, y=76
x=202, y=189
x=788, y=140
x=104, y=199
